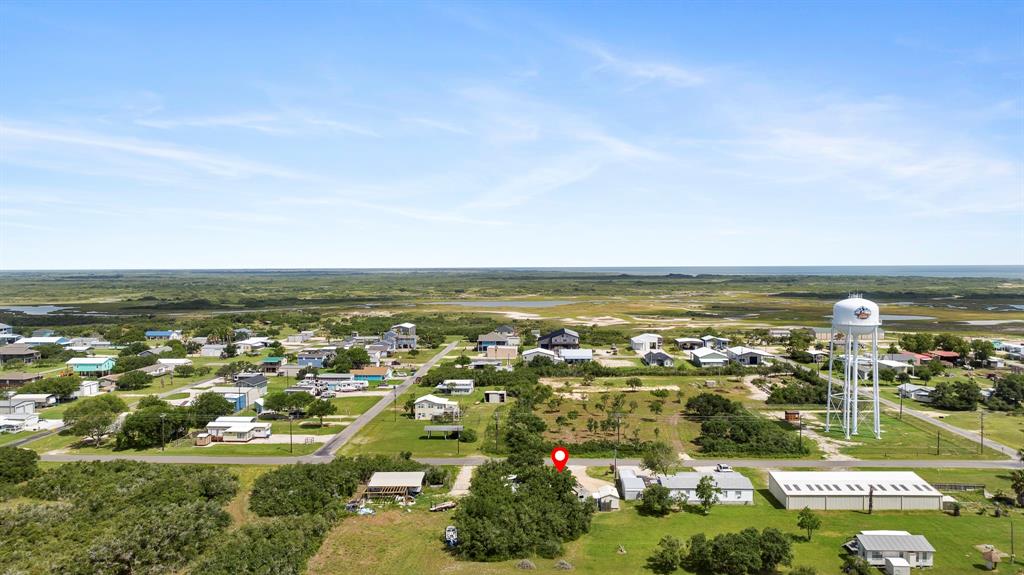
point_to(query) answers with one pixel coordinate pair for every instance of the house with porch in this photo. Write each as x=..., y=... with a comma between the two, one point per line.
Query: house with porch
x=747, y=355
x=97, y=366
x=707, y=357
x=163, y=334
x=645, y=342
x=430, y=407
x=372, y=373
x=455, y=386
x=658, y=358
x=238, y=429
x=19, y=352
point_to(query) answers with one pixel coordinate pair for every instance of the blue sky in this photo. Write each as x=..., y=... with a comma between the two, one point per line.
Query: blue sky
x=187, y=135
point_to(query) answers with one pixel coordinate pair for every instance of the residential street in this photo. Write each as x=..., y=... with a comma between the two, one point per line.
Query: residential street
x=332, y=447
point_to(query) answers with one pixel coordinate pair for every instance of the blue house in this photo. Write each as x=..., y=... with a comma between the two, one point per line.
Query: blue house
x=163, y=334
x=92, y=365
x=315, y=358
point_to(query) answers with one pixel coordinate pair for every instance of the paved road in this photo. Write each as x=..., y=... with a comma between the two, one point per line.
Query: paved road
x=332, y=446
x=588, y=462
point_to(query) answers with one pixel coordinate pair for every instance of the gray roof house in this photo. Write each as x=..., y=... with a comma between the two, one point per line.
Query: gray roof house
x=630, y=486
x=877, y=546
x=736, y=488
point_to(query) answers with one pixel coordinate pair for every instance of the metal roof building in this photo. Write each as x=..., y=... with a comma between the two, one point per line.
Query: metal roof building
x=857, y=490
x=876, y=547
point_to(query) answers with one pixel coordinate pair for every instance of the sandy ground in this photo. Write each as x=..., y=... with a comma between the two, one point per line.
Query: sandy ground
x=589, y=483
x=600, y=321
x=608, y=362
x=829, y=446
x=755, y=392
x=460, y=486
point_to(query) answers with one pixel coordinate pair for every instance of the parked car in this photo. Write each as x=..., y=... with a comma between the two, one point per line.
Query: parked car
x=723, y=468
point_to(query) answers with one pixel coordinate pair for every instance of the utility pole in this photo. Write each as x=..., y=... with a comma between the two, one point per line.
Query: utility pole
x=938, y=439
x=801, y=424
x=982, y=448
x=163, y=441
x=901, y=405
x=290, y=443
x=394, y=394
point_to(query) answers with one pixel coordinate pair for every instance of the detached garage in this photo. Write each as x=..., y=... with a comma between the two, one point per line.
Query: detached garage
x=853, y=490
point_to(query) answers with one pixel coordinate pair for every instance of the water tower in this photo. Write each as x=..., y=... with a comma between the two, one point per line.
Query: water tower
x=855, y=321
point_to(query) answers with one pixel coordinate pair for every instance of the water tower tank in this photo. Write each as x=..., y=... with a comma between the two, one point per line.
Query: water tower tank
x=855, y=316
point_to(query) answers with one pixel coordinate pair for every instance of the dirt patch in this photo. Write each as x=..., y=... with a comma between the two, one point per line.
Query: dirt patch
x=608, y=362
x=600, y=321
x=460, y=486
x=589, y=483
x=829, y=446
x=755, y=392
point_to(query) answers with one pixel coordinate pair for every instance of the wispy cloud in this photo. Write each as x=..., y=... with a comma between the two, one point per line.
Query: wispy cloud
x=647, y=70
x=437, y=125
x=287, y=122
x=258, y=122
x=207, y=162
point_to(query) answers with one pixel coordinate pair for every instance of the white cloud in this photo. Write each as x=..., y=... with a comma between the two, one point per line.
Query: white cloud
x=437, y=125
x=646, y=70
x=206, y=162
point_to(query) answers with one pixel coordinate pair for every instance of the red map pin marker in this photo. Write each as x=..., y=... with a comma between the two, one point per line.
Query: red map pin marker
x=560, y=456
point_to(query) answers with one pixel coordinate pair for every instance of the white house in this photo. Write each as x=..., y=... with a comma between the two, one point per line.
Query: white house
x=88, y=388
x=707, y=357
x=576, y=355
x=921, y=393
x=174, y=361
x=455, y=386
x=430, y=407
x=715, y=342
x=238, y=429
x=15, y=422
x=736, y=488
x=40, y=400
x=747, y=355
x=876, y=547
x=212, y=350
x=645, y=342
x=529, y=354
x=687, y=343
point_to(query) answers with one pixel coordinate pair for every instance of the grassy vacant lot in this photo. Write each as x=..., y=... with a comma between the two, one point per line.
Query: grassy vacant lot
x=641, y=422
x=354, y=545
x=910, y=438
x=386, y=435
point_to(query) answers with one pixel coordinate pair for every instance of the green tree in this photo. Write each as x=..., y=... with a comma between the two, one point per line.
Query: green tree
x=1017, y=484
x=917, y=342
x=656, y=501
x=957, y=395
x=656, y=406
x=17, y=464
x=63, y=386
x=320, y=409
x=93, y=417
x=410, y=405
x=134, y=380
x=209, y=406
x=707, y=493
x=983, y=349
x=668, y=555
x=358, y=356
x=286, y=402
x=134, y=348
x=152, y=426
x=634, y=383
x=808, y=521
x=775, y=548
x=658, y=457
x=463, y=360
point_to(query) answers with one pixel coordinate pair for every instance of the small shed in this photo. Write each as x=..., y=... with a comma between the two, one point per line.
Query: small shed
x=896, y=566
x=395, y=483
x=792, y=416
x=495, y=396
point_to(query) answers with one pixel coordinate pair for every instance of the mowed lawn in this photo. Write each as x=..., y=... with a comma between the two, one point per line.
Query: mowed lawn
x=388, y=434
x=382, y=544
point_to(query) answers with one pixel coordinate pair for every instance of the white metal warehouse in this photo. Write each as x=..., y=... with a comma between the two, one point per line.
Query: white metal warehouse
x=857, y=490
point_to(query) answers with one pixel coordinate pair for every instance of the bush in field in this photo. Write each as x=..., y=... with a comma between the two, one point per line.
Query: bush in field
x=17, y=465
x=281, y=546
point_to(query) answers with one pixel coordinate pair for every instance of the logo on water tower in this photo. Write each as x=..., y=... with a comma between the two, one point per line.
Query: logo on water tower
x=862, y=312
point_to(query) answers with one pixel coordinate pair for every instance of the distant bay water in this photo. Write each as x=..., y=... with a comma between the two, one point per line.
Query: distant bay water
x=1008, y=272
